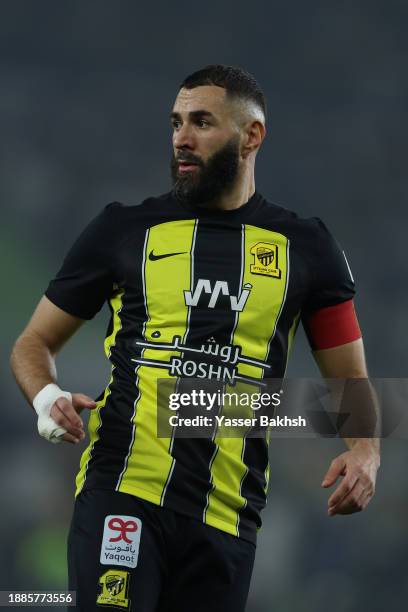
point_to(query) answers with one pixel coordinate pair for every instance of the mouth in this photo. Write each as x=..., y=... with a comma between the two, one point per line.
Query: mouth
x=186, y=166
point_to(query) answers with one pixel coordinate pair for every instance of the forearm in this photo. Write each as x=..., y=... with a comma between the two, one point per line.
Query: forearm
x=33, y=365
x=360, y=414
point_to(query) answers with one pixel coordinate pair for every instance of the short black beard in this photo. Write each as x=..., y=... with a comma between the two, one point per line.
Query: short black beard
x=211, y=179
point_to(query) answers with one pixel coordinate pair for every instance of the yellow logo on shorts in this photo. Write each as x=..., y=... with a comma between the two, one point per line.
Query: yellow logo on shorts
x=265, y=259
x=115, y=589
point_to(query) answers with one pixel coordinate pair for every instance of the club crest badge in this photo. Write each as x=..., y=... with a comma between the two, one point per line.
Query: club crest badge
x=114, y=589
x=265, y=259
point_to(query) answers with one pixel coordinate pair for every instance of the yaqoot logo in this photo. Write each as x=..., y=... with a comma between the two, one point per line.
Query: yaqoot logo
x=265, y=262
x=115, y=587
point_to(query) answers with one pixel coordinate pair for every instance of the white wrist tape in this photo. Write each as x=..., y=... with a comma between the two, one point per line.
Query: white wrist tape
x=43, y=402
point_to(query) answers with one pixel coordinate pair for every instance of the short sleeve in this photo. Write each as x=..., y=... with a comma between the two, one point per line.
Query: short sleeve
x=331, y=278
x=87, y=275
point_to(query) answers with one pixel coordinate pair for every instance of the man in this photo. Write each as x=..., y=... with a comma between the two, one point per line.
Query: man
x=208, y=269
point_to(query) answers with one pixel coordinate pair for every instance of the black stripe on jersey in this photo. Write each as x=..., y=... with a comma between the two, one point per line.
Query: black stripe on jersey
x=116, y=432
x=138, y=365
x=188, y=488
x=255, y=456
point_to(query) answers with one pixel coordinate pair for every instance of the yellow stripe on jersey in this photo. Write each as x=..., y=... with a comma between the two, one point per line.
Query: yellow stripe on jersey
x=265, y=274
x=291, y=336
x=167, y=273
x=257, y=322
x=94, y=417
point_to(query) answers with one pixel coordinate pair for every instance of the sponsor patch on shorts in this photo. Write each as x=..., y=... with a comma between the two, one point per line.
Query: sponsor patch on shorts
x=121, y=540
x=114, y=589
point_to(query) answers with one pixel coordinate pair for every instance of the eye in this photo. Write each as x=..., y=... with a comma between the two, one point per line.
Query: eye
x=202, y=123
x=175, y=124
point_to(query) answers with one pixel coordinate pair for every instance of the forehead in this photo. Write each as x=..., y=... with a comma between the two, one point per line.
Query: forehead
x=205, y=97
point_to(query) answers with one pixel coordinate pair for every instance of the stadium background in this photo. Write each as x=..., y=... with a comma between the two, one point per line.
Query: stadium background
x=86, y=88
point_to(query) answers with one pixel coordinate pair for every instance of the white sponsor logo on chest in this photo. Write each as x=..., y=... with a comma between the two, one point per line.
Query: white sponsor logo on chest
x=121, y=540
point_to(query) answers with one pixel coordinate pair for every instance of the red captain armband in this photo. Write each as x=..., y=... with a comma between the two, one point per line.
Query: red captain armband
x=332, y=326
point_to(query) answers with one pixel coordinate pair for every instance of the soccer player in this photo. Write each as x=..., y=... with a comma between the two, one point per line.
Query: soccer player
x=210, y=281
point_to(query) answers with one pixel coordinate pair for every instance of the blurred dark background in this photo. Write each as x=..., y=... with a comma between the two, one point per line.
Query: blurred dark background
x=86, y=90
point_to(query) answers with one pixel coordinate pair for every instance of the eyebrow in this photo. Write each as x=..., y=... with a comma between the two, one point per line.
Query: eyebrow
x=193, y=114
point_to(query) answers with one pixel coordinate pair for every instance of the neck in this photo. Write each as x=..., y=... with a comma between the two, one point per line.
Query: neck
x=239, y=194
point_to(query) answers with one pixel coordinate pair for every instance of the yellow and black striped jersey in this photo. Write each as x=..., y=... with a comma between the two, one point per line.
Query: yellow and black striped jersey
x=177, y=278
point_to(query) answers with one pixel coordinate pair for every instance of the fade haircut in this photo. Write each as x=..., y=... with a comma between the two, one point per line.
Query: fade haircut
x=240, y=86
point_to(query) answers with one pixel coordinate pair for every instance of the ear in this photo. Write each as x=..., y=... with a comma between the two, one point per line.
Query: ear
x=254, y=133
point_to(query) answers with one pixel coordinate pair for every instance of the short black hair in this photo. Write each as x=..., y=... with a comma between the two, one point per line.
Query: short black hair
x=237, y=82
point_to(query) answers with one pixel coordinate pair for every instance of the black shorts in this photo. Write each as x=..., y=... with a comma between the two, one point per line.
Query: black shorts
x=130, y=554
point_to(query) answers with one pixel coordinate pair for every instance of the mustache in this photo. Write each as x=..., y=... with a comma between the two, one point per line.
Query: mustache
x=187, y=158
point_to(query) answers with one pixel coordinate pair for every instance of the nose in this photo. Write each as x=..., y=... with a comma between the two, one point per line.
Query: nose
x=183, y=138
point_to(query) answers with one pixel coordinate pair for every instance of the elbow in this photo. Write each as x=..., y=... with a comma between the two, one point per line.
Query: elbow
x=28, y=343
x=14, y=354
x=17, y=351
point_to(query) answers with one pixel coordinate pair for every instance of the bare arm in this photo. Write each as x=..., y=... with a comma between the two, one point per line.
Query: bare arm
x=348, y=361
x=345, y=361
x=360, y=464
x=33, y=356
x=33, y=362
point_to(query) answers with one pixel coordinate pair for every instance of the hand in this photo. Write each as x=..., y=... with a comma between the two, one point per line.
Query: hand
x=66, y=414
x=359, y=467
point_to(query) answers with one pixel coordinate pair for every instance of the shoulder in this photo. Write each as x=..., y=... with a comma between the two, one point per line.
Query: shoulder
x=312, y=229
x=119, y=215
x=122, y=209
x=122, y=213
